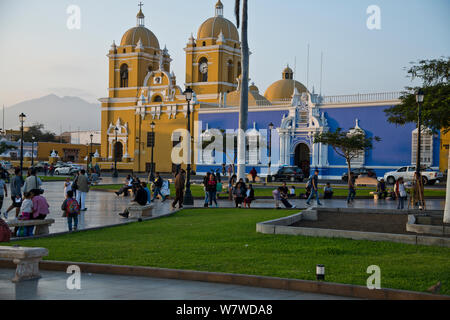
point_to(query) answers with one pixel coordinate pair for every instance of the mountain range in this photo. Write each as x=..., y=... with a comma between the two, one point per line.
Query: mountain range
x=57, y=114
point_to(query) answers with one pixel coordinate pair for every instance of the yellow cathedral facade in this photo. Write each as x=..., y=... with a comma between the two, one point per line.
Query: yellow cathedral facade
x=143, y=90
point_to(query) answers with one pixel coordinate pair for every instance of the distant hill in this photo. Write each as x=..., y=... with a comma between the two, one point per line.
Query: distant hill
x=72, y=113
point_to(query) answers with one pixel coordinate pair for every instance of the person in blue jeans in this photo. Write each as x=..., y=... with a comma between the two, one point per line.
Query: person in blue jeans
x=149, y=194
x=158, y=185
x=351, y=188
x=314, y=183
x=71, y=209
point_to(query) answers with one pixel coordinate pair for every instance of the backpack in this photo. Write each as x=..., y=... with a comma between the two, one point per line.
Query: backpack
x=72, y=207
x=309, y=183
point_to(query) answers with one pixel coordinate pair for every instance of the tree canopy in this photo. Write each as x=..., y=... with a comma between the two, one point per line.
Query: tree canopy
x=436, y=106
x=37, y=131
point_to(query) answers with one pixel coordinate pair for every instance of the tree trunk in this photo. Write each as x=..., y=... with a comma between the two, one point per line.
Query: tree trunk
x=243, y=111
x=349, y=171
x=447, y=196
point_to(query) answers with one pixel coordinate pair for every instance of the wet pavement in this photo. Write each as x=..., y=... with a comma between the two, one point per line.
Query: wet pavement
x=103, y=208
x=53, y=285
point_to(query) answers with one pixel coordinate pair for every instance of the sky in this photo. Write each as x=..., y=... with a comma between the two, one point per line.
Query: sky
x=41, y=55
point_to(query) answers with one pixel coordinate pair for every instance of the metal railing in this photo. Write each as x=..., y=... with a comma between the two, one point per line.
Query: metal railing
x=357, y=98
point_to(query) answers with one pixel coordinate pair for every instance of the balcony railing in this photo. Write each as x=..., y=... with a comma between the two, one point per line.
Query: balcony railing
x=357, y=98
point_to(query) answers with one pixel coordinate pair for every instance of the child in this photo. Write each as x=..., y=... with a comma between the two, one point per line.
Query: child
x=328, y=191
x=250, y=196
x=292, y=192
x=67, y=187
x=26, y=210
x=277, y=197
x=71, y=210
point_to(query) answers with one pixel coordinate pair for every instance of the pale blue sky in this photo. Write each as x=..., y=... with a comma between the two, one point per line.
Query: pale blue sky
x=39, y=55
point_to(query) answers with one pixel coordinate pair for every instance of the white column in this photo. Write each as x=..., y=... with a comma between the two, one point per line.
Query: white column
x=287, y=153
x=282, y=148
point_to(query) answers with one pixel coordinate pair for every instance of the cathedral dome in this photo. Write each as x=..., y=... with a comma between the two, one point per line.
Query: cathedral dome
x=140, y=32
x=212, y=27
x=132, y=36
x=283, y=89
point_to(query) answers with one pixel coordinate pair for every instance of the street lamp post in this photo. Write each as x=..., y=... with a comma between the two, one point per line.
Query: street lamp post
x=419, y=100
x=188, y=200
x=418, y=192
x=90, y=153
x=115, y=173
x=269, y=174
x=32, y=152
x=22, y=117
x=152, y=144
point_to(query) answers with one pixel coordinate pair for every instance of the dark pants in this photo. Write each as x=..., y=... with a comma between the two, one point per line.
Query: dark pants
x=124, y=190
x=286, y=203
x=75, y=222
x=239, y=201
x=179, y=195
x=351, y=195
x=212, y=197
x=328, y=195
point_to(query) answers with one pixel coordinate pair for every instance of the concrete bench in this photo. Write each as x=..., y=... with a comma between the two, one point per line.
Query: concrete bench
x=26, y=259
x=41, y=225
x=137, y=211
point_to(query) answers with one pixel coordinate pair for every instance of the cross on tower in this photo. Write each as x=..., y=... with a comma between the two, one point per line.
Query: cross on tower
x=140, y=5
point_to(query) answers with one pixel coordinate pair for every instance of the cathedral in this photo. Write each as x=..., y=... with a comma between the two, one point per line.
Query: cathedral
x=144, y=97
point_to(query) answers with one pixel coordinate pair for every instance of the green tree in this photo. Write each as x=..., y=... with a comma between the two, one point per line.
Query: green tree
x=5, y=147
x=434, y=75
x=37, y=131
x=348, y=145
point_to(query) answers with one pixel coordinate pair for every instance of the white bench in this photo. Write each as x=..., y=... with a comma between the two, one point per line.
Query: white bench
x=41, y=225
x=26, y=259
x=137, y=211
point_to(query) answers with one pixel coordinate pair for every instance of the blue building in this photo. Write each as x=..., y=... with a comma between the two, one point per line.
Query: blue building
x=297, y=115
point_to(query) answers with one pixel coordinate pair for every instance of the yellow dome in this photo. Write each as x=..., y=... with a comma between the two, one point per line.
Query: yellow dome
x=283, y=90
x=132, y=36
x=212, y=27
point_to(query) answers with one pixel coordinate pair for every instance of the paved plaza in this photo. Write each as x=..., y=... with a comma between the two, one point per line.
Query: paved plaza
x=104, y=207
x=52, y=286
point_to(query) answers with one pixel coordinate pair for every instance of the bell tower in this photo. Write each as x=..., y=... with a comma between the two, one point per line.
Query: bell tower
x=213, y=60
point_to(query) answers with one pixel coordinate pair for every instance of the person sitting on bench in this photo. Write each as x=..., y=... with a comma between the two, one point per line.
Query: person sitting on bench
x=141, y=199
x=381, y=189
x=328, y=191
x=127, y=186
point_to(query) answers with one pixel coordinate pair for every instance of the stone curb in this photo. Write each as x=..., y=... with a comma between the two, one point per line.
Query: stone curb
x=283, y=226
x=328, y=288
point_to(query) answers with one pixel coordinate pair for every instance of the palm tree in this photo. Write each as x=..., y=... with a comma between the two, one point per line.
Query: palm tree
x=243, y=111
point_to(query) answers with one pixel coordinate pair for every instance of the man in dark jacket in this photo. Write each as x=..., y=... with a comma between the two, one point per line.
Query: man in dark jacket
x=140, y=199
x=179, y=189
x=158, y=185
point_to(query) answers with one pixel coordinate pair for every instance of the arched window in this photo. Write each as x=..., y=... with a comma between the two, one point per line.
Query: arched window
x=124, y=76
x=203, y=70
x=204, y=43
x=426, y=147
x=230, y=71
x=239, y=69
x=157, y=98
x=149, y=68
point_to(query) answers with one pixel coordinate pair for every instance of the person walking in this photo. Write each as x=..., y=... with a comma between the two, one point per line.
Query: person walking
x=314, y=184
x=82, y=182
x=67, y=187
x=3, y=191
x=205, y=188
x=351, y=188
x=253, y=173
x=158, y=185
x=71, y=209
x=179, y=189
x=400, y=192
x=32, y=182
x=211, y=188
x=16, y=193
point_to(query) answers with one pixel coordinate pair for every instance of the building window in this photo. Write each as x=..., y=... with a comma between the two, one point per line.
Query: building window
x=124, y=76
x=204, y=43
x=230, y=71
x=239, y=71
x=426, y=147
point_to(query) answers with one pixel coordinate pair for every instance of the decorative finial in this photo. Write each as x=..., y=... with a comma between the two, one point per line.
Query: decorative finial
x=140, y=16
x=219, y=9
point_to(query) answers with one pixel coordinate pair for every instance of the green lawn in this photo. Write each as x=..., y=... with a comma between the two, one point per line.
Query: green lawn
x=225, y=240
x=197, y=191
